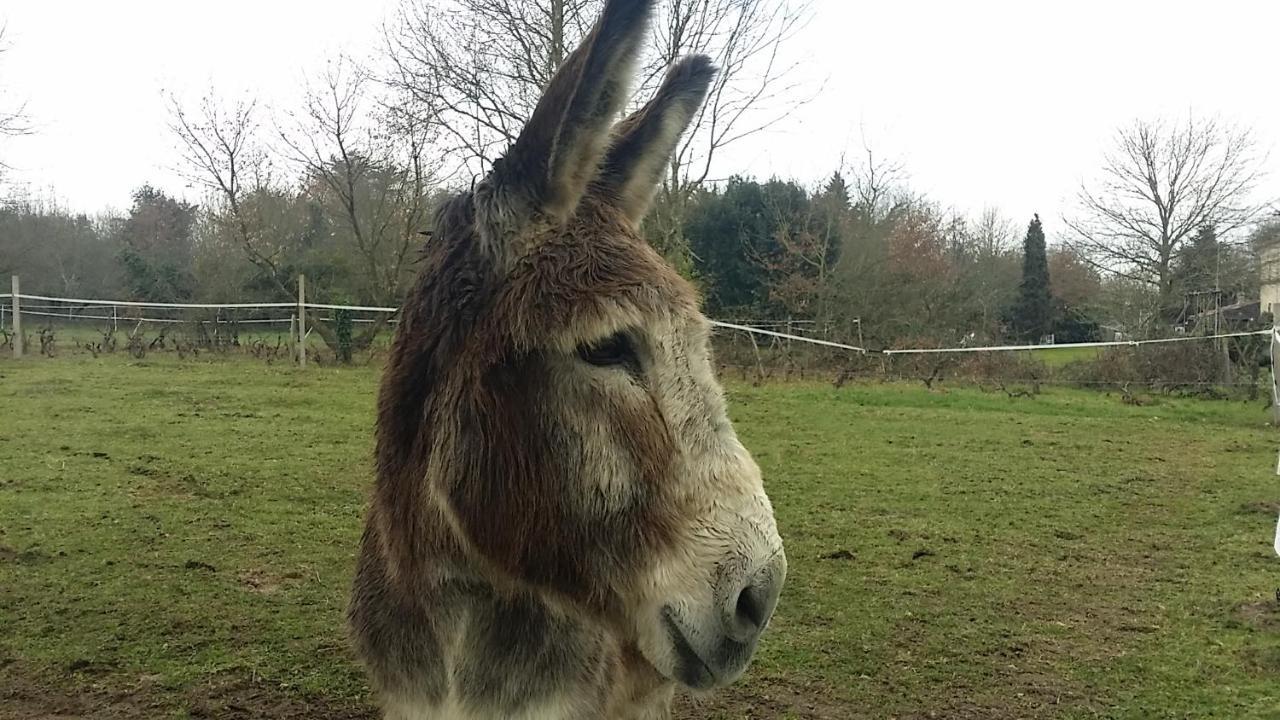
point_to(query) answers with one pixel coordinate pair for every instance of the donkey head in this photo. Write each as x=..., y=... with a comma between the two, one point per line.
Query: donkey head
x=550, y=401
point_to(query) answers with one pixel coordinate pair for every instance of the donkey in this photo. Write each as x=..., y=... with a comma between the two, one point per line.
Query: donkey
x=564, y=524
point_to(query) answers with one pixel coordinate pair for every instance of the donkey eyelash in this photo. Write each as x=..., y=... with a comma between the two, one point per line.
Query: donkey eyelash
x=616, y=350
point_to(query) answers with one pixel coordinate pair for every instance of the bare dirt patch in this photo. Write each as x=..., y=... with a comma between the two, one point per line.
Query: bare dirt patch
x=765, y=698
x=265, y=583
x=1016, y=694
x=32, y=556
x=1261, y=615
x=25, y=695
x=1264, y=507
x=241, y=698
x=29, y=696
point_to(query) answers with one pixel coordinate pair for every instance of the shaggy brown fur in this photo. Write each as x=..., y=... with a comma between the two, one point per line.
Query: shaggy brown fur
x=528, y=482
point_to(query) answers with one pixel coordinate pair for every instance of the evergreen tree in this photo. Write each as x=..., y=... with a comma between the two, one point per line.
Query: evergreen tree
x=155, y=242
x=1032, y=315
x=836, y=191
x=829, y=227
x=1207, y=264
x=733, y=233
x=1196, y=269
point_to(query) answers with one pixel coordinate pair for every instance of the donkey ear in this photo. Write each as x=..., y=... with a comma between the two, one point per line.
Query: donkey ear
x=559, y=150
x=644, y=142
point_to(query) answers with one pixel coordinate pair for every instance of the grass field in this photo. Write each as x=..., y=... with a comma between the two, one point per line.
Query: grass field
x=176, y=540
x=1057, y=357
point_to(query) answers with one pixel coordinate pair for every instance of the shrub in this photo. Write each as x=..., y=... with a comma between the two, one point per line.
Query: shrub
x=343, y=328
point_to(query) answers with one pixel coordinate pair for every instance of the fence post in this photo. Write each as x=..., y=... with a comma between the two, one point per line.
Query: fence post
x=17, y=319
x=302, y=321
x=1275, y=404
x=1275, y=377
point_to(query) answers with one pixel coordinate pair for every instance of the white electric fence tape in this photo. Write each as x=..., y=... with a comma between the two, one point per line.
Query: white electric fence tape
x=1275, y=335
x=717, y=323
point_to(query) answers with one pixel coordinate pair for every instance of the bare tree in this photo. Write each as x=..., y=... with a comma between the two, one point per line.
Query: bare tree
x=222, y=152
x=993, y=234
x=863, y=286
x=878, y=187
x=1129, y=305
x=13, y=118
x=478, y=66
x=988, y=264
x=755, y=88
x=362, y=161
x=1160, y=186
x=366, y=160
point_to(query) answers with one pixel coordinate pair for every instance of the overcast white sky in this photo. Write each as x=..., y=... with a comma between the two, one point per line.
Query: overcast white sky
x=985, y=102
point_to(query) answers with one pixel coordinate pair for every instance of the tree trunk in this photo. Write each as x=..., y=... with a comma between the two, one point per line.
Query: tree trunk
x=556, y=54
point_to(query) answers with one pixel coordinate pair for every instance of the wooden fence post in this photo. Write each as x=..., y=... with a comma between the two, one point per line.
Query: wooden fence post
x=17, y=318
x=302, y=322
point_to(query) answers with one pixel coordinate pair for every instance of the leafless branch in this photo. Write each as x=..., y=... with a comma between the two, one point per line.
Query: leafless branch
x=1159, y=186
x=365, y=157
x=14, y=121
x=220, y=151
x=478, y=67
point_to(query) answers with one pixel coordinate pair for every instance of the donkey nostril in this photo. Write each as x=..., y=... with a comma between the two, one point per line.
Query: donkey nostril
x=746, y=613
x=750, y=609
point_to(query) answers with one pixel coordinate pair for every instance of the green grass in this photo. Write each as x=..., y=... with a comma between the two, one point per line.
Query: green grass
x=1057, y=357
x=166, y=524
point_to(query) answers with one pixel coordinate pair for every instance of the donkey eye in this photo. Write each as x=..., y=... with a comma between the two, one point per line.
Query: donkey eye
x=614, y=351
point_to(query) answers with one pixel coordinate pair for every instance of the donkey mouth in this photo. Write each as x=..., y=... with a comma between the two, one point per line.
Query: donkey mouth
x=691, y=670
x=726, y=662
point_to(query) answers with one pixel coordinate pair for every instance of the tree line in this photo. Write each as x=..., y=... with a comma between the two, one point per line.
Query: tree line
x=847, y=259
x=342, y=187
